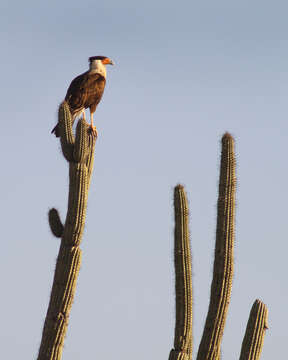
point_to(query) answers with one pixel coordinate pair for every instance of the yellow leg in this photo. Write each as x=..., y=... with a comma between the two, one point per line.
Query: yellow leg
x=83, y=114
x=93, y=128
x=91, y=119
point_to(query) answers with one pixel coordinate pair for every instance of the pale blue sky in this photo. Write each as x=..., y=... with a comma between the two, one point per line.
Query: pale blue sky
x=185, y=73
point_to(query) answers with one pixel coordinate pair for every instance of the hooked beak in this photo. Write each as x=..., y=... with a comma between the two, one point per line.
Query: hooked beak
x=111, y=62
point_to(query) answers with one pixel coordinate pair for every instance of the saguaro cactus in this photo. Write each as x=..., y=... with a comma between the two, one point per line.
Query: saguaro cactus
x=183, y=283
x=255, y=331
x=79, y=152
x=209, y=348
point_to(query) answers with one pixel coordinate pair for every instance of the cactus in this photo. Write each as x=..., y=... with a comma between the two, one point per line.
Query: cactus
x=223, y=264
x=209, y=348
x=183, y=283
x=255, y=331
x=79, y=152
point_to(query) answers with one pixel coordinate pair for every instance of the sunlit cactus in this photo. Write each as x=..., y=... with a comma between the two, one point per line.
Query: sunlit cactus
x=209, y=348
x=79, y=152
x=255, y=331
x=183, y=283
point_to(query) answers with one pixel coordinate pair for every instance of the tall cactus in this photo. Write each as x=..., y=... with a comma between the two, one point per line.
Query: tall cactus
x=224, y=256
x=79, y=152
x=209, y=348
x=183, y=283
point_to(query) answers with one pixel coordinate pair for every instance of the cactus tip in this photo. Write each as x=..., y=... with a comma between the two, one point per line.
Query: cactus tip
x=227, y=136
x=227, y=140
x=179, y=187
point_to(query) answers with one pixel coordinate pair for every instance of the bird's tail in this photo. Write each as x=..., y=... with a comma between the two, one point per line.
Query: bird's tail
x=56, y=131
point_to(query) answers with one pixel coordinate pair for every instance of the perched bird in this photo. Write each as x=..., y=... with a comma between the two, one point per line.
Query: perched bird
x=86, y=91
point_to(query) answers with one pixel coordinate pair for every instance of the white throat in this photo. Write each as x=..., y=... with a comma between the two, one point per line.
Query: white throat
x=97, y=67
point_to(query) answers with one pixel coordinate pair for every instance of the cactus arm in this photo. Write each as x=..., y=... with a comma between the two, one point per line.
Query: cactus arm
x=55, y=223
x=65, y=123
x=209, y=348
x=77, y=152
x=90, y=158
x=81, y=142
x=255, y=331
x=183, y=279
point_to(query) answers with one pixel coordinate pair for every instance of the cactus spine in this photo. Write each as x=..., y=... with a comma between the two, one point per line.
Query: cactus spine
x=209, y=348
x=79, y=153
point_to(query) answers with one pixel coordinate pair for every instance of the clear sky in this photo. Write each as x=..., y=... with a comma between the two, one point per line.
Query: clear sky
x=185, y=73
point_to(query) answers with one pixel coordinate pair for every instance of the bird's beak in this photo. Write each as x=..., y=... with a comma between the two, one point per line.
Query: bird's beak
x=111, y=62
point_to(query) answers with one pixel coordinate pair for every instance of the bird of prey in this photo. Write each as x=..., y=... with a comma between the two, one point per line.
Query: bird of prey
x=86, y=91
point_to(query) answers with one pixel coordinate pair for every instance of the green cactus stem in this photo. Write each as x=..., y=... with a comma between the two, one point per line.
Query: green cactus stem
x=55, y=223
x=183, y=282
x=209, y=348
x=79, y=153
x=255, y=332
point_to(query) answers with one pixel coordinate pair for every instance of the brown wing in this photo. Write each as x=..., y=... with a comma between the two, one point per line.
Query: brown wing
x=85, y=91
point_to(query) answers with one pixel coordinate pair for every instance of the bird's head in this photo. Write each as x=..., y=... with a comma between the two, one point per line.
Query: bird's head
x=100, y=59
x=98, y=64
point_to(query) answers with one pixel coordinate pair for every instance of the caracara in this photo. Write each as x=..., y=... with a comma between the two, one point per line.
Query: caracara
x=86, y=90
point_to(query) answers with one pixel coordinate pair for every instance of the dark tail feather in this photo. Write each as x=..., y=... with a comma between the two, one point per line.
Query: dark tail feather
x=56, y=131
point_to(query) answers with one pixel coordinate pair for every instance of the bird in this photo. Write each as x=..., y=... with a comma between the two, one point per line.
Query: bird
x=86, y=90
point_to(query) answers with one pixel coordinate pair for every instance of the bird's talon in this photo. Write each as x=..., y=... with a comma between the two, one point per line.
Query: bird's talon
x=93, y=131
